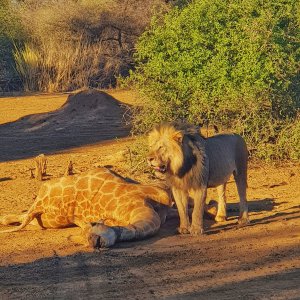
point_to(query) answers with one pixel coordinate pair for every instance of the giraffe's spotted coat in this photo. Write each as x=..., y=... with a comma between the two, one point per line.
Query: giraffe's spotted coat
x=99, y=194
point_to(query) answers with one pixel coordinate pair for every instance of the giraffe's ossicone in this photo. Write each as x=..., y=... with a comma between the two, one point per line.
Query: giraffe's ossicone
x=106, y=207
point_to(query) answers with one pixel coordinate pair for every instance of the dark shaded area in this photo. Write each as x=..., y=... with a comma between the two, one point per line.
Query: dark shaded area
x=284, y=285
x=87, y=117
x=5, y=179
x=142, y=274
x=266, y=204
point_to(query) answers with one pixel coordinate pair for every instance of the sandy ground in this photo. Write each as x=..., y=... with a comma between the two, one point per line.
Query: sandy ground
x=260, y=261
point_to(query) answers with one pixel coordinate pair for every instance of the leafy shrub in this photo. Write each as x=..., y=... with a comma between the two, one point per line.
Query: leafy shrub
x=288, y=142
x=234, y=63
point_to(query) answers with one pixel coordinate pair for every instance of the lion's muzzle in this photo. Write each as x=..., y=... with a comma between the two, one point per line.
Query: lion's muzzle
x=152, y=162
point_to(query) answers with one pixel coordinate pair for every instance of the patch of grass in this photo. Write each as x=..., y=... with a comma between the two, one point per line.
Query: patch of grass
x=136, y=156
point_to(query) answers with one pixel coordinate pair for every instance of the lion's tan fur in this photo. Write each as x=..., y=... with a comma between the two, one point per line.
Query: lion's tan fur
x=193, y=163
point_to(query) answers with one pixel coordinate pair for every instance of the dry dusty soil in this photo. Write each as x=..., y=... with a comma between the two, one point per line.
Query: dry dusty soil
x=260, y=261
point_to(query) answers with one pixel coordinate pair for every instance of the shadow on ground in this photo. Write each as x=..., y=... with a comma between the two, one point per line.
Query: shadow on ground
x=283, y=285
x=263, y=206
x=87, y=117
x=211, y=227
x=173, y=273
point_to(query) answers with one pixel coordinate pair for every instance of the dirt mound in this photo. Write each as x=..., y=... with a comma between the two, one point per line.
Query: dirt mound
x=87, y=117
x=90, y=102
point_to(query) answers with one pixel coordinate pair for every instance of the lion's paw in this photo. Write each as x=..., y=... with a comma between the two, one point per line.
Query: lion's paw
x=243, y=222
x=196, y=230
x=183, y=230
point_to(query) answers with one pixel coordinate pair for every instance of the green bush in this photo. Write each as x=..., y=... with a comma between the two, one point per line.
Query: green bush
x=233, y=63
x=288, y=142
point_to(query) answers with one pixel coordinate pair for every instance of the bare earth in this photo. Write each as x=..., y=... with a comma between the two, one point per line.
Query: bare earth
x=261, y=261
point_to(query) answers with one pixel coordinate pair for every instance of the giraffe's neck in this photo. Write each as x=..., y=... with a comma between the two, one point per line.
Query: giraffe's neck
x=156, y=194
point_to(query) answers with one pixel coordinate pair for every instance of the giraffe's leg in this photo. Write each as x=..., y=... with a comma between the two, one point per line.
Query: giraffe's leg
x=12, y=219
x=27, y=219
x=81, y=239
x=52, y=220
x=16, y=219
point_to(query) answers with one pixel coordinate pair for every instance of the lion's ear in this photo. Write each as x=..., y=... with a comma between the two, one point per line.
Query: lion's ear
x=178, y=136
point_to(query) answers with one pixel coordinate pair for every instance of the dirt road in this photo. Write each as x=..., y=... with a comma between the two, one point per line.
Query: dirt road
x=261, y=261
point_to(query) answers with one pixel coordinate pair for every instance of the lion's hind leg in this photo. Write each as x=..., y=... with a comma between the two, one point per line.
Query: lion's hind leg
x=95, y=234
x=241, y=183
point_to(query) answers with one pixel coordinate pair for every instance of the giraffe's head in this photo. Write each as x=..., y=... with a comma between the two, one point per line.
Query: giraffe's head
x=101, y=236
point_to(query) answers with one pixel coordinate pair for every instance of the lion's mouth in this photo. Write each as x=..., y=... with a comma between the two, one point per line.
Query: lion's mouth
x=161, y=169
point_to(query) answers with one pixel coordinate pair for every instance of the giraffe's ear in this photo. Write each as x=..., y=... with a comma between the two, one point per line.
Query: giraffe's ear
x=178, y=136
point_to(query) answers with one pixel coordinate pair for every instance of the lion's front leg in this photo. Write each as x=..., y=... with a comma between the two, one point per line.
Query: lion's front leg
x=199, y=197
x=181, y=200
x=221, y=213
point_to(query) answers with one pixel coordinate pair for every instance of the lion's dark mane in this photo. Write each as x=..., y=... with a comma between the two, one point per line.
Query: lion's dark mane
x=194, y=169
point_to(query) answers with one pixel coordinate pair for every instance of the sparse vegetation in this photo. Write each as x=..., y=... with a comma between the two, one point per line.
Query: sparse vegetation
x=49, y=69
x=136, y=156
x=76, y=44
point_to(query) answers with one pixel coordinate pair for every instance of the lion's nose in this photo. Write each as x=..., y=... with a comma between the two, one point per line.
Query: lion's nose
x=150, y=159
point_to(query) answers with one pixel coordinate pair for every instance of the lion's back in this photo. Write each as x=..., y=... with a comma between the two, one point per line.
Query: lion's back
x=227, y=153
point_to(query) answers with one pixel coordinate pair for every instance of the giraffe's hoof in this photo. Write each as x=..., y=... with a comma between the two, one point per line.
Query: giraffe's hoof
x=101, y=236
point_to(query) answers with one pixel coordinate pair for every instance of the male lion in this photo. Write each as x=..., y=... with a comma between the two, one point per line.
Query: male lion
x=193, y=163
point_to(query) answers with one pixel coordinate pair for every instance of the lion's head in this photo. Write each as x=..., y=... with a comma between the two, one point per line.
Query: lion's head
x=170, y=147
